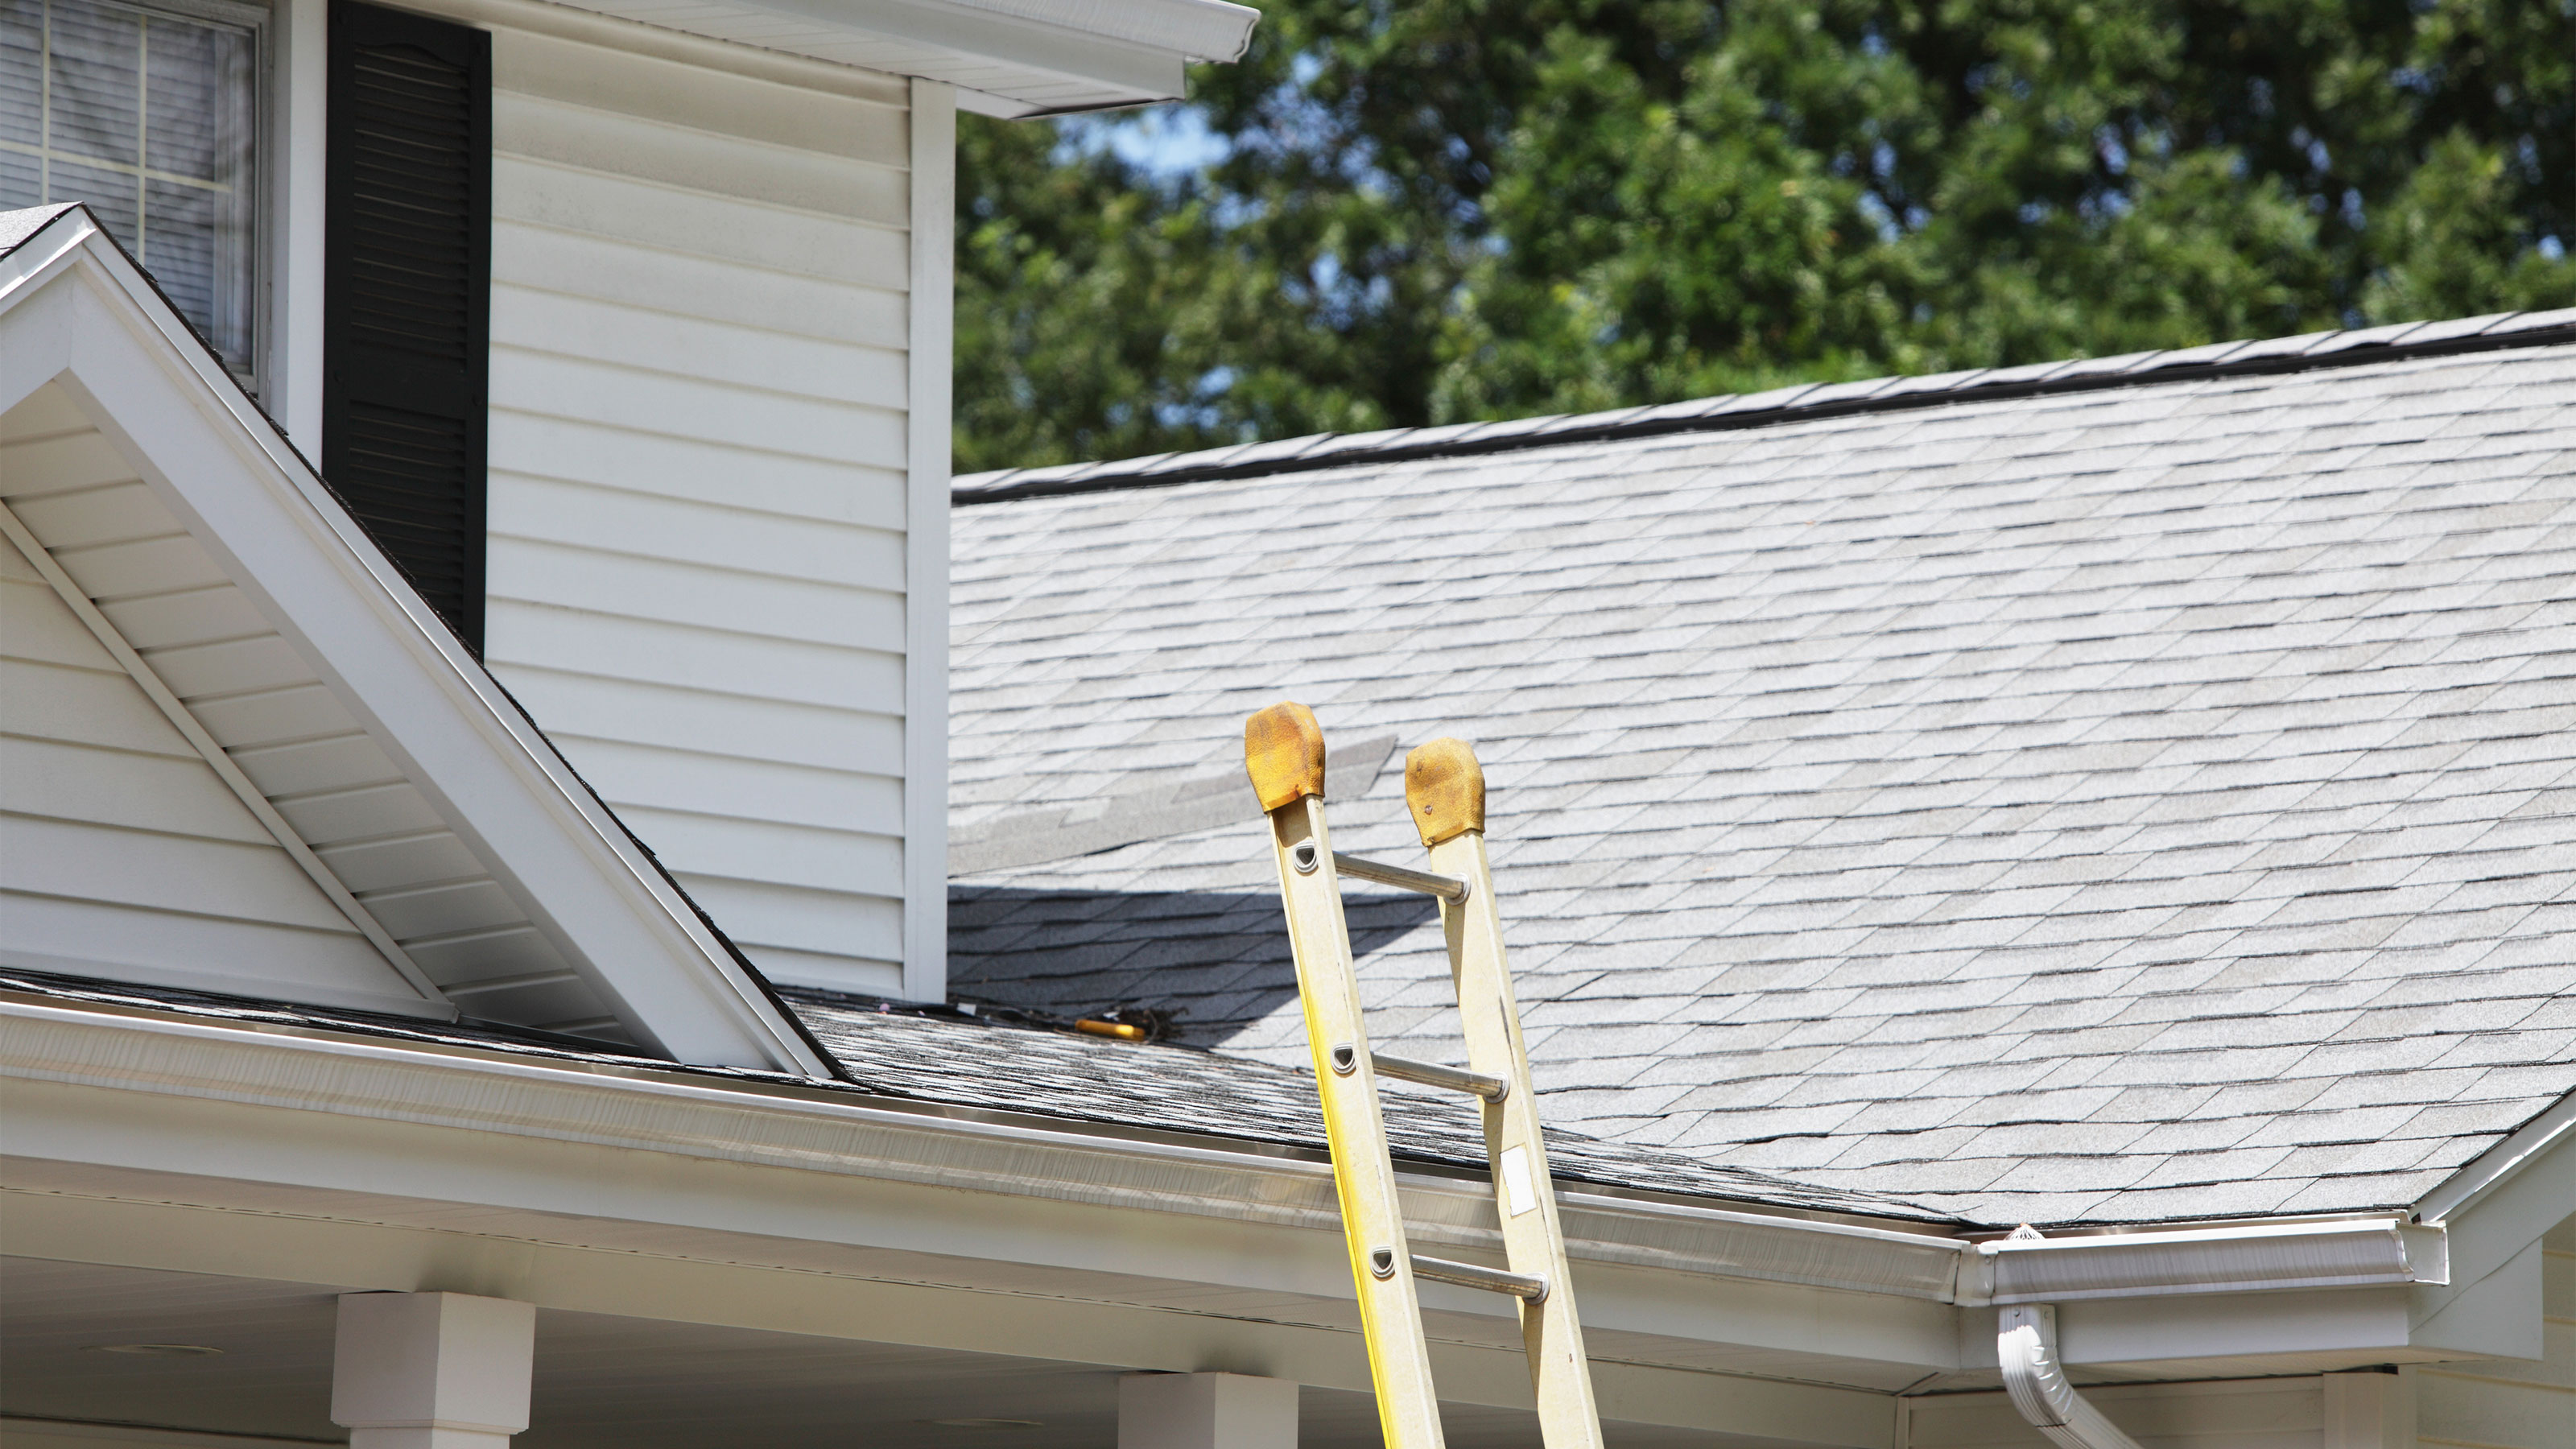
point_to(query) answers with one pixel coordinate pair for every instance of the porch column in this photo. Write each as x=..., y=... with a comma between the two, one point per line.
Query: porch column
x=1206, y=1411
x=431, y=1370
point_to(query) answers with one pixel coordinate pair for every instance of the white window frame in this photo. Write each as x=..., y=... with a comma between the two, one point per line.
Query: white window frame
x=262, y=248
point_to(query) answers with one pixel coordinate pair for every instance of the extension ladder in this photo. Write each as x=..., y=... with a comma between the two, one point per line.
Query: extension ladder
x=1445, y=789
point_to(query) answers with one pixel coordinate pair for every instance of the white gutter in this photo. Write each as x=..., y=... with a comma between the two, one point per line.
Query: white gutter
x=2026, y=1342
x=2022, y=1271
x=2336, y=1254
x=778, y=1123
x=774, y=1123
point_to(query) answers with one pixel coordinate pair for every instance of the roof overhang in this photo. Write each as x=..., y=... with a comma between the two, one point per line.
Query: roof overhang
x=1007, y=57
x=77, y=313
x=156, y=1140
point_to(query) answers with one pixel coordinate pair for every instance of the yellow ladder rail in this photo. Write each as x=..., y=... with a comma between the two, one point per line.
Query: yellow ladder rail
x=1445, y=789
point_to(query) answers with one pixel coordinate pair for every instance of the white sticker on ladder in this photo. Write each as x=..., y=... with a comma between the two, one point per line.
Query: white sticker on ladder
x=1516, y=1180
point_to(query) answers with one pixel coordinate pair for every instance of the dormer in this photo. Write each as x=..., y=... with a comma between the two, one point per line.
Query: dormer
x=624, y=330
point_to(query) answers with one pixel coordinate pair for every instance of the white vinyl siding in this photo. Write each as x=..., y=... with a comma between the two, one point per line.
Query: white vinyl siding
x=130, y=858
x=2512, y=1403
x=125, y=856
x=698, y=454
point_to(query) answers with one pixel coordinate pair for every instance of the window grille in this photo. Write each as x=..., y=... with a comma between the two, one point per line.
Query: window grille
x=149, y=115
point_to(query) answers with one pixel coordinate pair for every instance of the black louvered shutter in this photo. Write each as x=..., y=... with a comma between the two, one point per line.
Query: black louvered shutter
x=406, y=304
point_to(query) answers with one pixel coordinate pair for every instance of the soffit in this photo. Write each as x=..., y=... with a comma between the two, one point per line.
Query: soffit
x=1011, y=57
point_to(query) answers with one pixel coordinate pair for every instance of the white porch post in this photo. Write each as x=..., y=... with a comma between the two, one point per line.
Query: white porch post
x=1206, y=1411
x=2369, y=1411
x=431, y=1370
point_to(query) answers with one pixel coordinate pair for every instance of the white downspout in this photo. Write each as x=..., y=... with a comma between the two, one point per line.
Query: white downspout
x=2026, y=1342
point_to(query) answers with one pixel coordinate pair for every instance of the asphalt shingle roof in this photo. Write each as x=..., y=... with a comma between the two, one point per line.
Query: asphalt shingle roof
x=1030, y=1072
x=2117, y=805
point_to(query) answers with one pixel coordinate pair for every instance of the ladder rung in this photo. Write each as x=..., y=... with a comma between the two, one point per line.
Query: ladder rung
x=1432, y=1074
x=1492, y=1280
x=1446, y=887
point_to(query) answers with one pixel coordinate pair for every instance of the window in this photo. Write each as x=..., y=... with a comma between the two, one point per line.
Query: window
x=149, y=115
x=406, y=294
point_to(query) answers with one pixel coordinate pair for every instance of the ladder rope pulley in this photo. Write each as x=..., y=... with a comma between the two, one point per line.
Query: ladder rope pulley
x=1445, y=791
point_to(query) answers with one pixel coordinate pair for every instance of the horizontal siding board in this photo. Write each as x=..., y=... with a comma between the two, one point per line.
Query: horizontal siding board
x=194, y=616
x=783, y=115
x=573, y=706
x=832, y=249
x=82, y=784
x=808, y=859
x=530, y=448
x=91, y=516
x=77, y=860
x=694, y=347
x=687, y=159
x=728, y=538
x=698, y=472
x=638, y=573
x=707, y=659
x=866, y=975
x=662, y=405
x=526, y=573
x=43, y=701
x=2457, y=1409
x=827, y=923
x=37, y=628
x=93, y=938
x=699, y=784
x=861, y=310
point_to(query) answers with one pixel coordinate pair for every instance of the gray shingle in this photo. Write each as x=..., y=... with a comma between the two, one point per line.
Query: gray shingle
x=2193, y=761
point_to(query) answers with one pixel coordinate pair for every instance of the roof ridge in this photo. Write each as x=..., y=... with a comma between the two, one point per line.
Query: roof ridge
x=2394, y=342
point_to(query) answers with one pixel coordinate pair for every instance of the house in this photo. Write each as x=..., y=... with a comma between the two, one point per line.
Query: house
x=624, y=328
x=478, y=959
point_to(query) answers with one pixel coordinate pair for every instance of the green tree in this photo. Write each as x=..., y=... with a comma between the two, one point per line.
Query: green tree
x=1457, y=209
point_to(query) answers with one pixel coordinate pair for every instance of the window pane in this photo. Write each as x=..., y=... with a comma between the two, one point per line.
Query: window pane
x=94, y=101
x=149, y=118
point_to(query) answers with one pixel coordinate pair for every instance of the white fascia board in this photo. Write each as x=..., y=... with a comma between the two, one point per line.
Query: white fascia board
x=660, y=1155
x=842, y=1134
x=2268, y=1257
x=1042, y=54
x=75, y=311
x=2542, y=1138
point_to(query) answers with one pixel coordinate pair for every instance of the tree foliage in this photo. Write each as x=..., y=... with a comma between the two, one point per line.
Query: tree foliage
x=1450, y=209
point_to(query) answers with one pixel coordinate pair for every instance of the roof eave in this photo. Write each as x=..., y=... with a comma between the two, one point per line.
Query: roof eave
x=1011, y=57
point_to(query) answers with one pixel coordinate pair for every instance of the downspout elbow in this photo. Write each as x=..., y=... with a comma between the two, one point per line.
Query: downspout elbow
x=2026, y=1342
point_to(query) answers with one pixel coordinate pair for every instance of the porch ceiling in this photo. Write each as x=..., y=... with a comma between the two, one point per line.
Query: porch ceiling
x=600, y=1380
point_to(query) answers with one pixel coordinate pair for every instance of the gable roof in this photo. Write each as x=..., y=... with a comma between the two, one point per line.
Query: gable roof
x=213, y=566
x=2117, y=804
